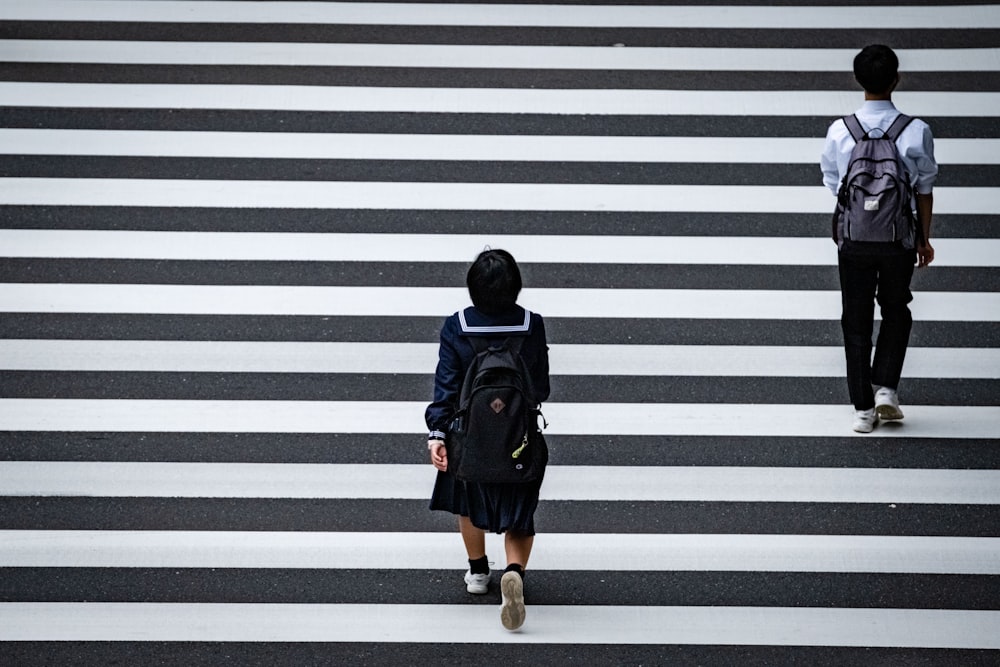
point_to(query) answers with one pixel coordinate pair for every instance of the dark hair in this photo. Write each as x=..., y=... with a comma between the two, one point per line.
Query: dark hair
x=876, y=68
x=494, y=281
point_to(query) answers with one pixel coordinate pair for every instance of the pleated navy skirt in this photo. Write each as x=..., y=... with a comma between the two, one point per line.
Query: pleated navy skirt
x=493, y=507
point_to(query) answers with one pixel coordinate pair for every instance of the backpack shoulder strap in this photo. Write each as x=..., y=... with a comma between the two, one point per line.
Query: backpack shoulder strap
x=514, y=344
x=478, y=343
x=897, y=127
x=854, y=127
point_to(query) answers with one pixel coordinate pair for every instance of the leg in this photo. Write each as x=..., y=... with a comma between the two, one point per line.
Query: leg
x=858, y=280
x=477, y=579
x=894, y=335
x=518, y=548
x=474, y=538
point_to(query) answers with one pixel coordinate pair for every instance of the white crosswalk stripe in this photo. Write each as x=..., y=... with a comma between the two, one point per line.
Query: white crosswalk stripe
x=219, y=221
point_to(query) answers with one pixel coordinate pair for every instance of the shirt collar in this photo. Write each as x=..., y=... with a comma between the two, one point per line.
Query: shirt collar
x=878, y=106
x=515, y=321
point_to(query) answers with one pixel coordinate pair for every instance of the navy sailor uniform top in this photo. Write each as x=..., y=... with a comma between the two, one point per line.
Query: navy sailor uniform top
x=456, y=353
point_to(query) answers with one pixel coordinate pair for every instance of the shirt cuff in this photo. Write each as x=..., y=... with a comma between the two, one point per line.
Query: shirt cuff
x=436, y=435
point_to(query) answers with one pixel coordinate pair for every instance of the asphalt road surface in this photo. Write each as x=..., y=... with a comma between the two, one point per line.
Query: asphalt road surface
x=230, y=232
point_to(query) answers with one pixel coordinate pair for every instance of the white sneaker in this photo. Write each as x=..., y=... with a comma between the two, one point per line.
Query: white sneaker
x=865, y=420
x=477, y=584
x=887, y=404
x=512, y=609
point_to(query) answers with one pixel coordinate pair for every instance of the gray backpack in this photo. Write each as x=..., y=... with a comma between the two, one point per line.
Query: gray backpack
x=875, y=199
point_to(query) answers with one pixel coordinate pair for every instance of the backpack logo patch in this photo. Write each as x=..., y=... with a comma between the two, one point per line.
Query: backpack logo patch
x=498, y=405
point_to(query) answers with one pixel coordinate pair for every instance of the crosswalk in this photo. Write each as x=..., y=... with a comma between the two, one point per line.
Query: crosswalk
x=230, y=231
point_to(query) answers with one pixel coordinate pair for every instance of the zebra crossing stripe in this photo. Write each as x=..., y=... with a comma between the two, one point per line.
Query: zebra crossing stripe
x=574, y=483
x=29, y=191
x=420, y=358
x=529, y=249
x=478, y=56
x=634, y=552
x=730, y=419
x=425, y=301
x=545, y=148
x=746, y=626
x=480, y=100
x=743, y=17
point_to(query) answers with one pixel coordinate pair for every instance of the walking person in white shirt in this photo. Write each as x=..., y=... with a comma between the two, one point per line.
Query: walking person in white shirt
x=880, y=270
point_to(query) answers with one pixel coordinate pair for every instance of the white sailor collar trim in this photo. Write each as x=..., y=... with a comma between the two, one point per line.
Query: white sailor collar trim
x=523, y=327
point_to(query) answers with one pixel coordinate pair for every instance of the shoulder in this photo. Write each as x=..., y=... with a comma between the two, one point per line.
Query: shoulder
x=838, y=137
x=837, y=125
x=452, y=327
x=918, y=127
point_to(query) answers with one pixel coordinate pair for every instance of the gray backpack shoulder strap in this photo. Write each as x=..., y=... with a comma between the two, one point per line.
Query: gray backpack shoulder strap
x=854, y=127
x=897, y=127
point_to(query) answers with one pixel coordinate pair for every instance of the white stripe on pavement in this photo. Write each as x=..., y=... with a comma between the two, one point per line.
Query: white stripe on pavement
x=421, y=358
x=361, y=146
x=529, y=249
x=622, y=419
x=437, y=14
x=439, y=301
x=553, y=551
x=546, y=148
x=827, y=104
x=454, y=196
x=573, y=483
x=548, y=624
x=480, y=56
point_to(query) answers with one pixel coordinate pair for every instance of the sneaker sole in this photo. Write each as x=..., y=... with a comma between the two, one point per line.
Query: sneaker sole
x=512, y=610
x=888, y=412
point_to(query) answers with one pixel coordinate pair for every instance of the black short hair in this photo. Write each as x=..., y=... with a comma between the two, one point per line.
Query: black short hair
x=876, y=68
x=494, y=281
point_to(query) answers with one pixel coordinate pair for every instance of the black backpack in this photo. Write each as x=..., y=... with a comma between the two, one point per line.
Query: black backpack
x=875, y=199
x=495, y=435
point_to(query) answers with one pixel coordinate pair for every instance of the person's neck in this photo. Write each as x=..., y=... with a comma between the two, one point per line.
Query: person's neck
x=880, y=97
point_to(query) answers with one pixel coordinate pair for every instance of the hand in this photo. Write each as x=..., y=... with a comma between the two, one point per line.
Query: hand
x=439, y=455
x=925, y=254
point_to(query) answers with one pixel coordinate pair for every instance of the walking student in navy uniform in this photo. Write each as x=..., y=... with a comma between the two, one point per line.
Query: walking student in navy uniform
x=494, y=282
x=881, y=271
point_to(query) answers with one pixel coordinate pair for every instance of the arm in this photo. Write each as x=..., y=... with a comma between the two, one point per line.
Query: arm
x=926, y=169
x=447, y=385
x=925, y=207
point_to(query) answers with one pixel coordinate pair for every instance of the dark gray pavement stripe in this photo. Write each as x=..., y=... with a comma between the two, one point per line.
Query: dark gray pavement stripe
x=449, y=274
x=849, y=451
x=369, y=221
x=399, y=387
x=586, y=517
x=277, y=654
x=234, y=120
x=446, y=171
x=519, y=35
x=458, y=77
x=114, y=326
x=545, y=587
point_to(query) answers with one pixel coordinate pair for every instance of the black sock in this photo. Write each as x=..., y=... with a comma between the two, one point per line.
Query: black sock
x=515, y=567
x=480, y=565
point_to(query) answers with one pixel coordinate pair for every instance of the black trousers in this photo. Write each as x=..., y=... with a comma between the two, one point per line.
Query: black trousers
x=871, y=272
